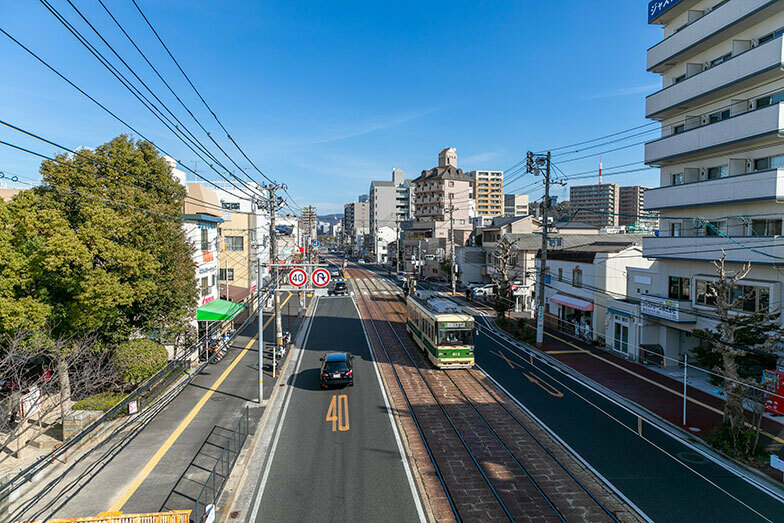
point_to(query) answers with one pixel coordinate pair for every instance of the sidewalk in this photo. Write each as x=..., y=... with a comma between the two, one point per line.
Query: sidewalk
x=651, y=388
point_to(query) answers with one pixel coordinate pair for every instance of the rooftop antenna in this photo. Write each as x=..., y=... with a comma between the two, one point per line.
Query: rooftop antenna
x=600, y=170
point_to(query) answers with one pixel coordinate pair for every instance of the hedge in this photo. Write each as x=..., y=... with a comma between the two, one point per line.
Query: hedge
x=138, y=360
x=102, y=401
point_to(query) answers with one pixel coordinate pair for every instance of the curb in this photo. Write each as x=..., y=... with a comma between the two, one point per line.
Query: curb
x=753, y=476
x=239, y=479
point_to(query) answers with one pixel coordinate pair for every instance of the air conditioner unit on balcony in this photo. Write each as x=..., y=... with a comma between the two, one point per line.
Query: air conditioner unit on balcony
x=754, y=42
x=749, y=165
x=706, y=66
x=703, y=173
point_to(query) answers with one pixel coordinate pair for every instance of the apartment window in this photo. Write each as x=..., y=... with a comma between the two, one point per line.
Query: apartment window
x=772, y=162
x=205, y=243
x=704, y=293
x=677, y=179
x=451, y=184
x=675, y=230
x=770, y=36
x=679, y=288
x=771, y=99
x=721, y=171
x=234, y=243
x=226, y=275
x=205, y=286
x=721, y=59
x=750, y=298
x=677, y=129
x=577, y=278
x=766, y=227
x=231, y=206
x=717, y=117
x=716, y=228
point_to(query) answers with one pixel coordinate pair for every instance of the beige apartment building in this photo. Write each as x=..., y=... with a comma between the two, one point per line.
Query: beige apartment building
x=596, y=205
x=488, y=192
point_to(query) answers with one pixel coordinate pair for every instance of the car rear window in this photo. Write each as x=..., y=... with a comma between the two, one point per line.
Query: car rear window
x=340, y=285
x=336, y=366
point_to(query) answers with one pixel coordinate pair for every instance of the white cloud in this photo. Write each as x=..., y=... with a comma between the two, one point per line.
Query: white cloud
x=625, y=91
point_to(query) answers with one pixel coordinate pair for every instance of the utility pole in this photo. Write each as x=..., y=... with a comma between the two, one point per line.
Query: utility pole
x=273, y=204
x=398, y=249
x=536, y=169
x=452, y=243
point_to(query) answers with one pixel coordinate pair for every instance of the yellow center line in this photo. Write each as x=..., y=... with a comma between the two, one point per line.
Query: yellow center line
x=652, y=382
x=148, y=468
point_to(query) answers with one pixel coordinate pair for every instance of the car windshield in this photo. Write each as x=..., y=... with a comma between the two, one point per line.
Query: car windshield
x=336, y=366
x=455, y=336
x=340, y=285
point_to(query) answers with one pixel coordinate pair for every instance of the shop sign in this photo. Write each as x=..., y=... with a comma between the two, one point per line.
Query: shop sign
x=660, y=308
x=657, y=7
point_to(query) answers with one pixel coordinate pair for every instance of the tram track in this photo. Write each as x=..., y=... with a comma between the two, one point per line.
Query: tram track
x=499, y=443
x=514, y=489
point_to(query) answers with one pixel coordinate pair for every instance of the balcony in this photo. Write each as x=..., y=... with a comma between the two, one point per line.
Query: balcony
x=667, y=309
x=758, y=64
x=753, y=128
x=762, y=185
x=716, y=26
x=767, y=250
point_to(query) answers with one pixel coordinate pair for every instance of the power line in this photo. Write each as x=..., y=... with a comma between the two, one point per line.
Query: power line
x=174, y=128
x=603, y=137
x=130, y=39
x=199, y=94
x=106, y=109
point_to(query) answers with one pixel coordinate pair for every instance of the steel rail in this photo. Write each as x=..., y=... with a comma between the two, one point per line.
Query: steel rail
x=441, y=406
x=416, y=422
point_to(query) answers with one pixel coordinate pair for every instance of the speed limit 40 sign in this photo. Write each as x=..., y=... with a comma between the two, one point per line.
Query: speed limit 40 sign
x=298, y=277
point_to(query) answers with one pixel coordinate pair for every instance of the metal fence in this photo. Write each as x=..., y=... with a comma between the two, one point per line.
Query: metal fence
x=213, y=485
x=147, y=394
x=175, y=516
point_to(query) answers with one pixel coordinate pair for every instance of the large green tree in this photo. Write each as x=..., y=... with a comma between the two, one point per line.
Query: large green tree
x=94, y=251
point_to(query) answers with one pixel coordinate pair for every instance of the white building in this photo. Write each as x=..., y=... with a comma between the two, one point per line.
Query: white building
x=721, y=160
x=201, y=215
x=515, y=205
x=390, y=203
x=582, y=281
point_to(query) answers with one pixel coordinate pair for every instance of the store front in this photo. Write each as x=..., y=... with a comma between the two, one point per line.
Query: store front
x=575, y=315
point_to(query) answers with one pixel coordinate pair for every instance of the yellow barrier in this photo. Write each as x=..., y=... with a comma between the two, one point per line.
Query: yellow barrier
x=175, y=516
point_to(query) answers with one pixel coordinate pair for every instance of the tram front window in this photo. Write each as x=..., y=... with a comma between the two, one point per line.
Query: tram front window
x=455, y=336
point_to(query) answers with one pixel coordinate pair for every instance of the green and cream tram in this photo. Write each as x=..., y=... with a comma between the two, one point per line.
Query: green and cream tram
x=442, y=330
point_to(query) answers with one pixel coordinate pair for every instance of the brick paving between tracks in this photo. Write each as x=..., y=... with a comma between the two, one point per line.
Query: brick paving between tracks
x=458, y=390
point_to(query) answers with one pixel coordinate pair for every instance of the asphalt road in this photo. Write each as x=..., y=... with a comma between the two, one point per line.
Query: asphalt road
x=104, y=476
x=666, y=479
x=347, y=469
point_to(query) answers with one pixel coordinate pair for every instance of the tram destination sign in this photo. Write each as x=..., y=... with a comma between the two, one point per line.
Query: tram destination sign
x=455, y=325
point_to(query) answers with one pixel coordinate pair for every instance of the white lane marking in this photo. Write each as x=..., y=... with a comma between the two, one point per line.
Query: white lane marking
x=278, y=431
x=514, y=350
x=566, y=445
x=410, y=477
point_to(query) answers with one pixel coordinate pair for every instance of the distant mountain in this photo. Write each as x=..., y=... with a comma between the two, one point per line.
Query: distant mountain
x=331, y=218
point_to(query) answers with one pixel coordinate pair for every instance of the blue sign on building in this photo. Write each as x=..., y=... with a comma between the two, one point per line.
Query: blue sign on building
x=657, y=7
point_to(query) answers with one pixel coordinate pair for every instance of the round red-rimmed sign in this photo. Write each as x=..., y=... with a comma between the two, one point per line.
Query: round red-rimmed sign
x=320, y=277
x=298, y=277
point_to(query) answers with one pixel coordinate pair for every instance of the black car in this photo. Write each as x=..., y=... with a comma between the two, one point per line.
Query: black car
x=336, y=369
x=340, y=288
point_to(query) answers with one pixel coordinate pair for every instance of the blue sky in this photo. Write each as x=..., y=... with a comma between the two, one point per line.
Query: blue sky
x=327, y=96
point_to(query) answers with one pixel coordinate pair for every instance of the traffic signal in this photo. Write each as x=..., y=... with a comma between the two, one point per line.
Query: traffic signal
x=529, y=162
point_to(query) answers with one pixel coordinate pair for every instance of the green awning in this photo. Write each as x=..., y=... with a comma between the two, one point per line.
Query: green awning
x=218, y=310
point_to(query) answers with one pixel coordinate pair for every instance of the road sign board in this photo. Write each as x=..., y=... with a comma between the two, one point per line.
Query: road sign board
x=321, y=277
x=315, y=243
x=298, y=277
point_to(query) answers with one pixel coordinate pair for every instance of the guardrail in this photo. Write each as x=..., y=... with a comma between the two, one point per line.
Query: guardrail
x=147, y=390
x=213, y=485
x=175, y=516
